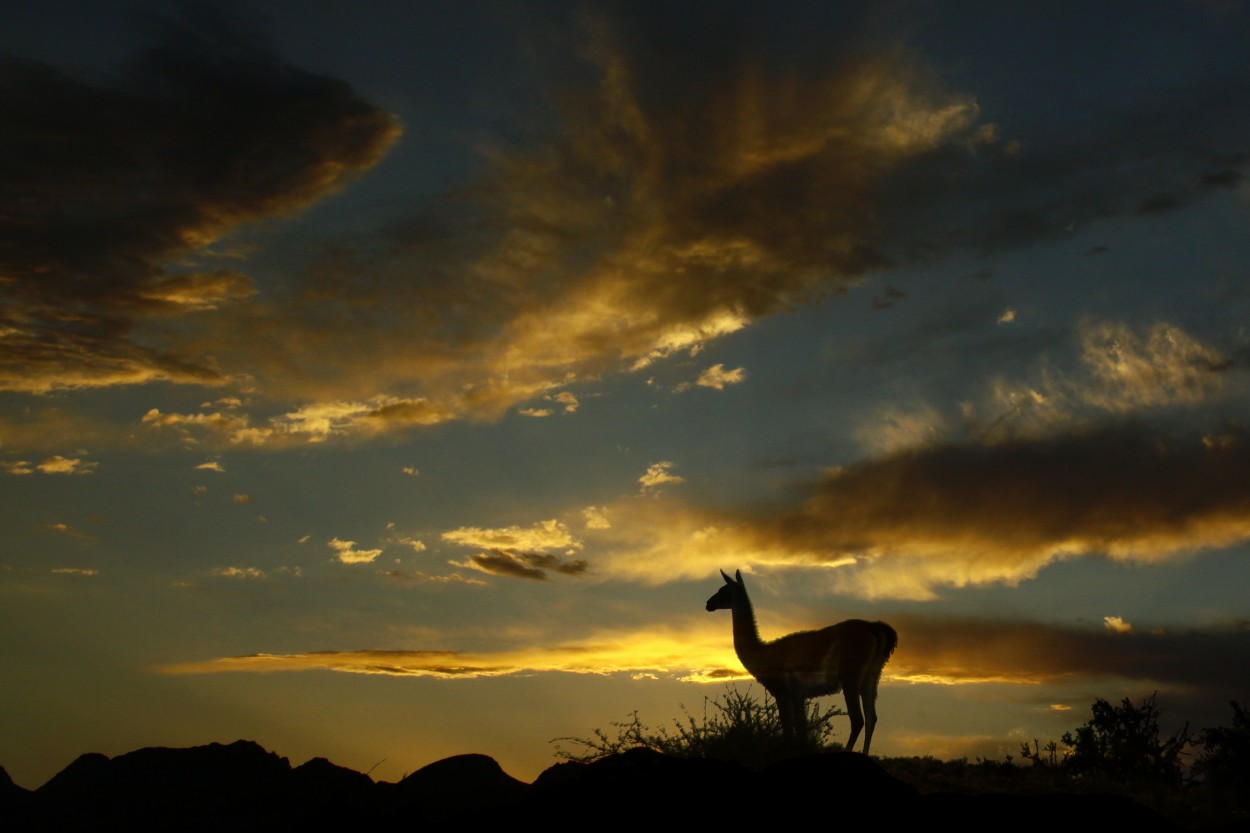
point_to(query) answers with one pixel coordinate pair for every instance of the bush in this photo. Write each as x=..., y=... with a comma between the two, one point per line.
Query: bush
x=733, y=727
x=1225, y=760
x=1122, y=742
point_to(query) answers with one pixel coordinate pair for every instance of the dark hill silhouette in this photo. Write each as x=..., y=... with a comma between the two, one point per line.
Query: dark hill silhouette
x=241, y=786
x=453, y=788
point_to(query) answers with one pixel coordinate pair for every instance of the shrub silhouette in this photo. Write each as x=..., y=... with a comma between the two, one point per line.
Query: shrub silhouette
x=733, y=727
x=1225, y=761
x=1042, y=756
x=1122, y=742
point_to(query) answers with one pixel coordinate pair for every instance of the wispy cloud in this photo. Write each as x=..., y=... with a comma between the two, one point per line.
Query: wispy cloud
x=418, y=577
x=716, y=377
x=56, y=464
x=564, y=401
x=310, y=424
x=1167, y=365
x=1151, y=156
x=414, y=544
x=66, y=529
x=542, y=536
x=659, y=474
x=346, y=552
x=1108, y=371
x=239, y=572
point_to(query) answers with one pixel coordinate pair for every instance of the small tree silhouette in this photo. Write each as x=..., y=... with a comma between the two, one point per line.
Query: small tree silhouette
x=1122, y=742
x=1035, y=754
x=1225, y=760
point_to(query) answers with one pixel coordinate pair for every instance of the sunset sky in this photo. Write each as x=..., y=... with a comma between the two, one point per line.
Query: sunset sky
x=385, y=381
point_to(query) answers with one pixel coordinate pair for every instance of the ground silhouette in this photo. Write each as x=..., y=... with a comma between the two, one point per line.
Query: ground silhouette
x=242, y=786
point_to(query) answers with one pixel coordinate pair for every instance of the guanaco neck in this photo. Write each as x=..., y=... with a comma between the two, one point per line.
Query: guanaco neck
x=747, y=643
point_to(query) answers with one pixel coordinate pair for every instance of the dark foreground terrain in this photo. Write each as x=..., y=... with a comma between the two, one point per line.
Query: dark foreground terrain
x=241, y=786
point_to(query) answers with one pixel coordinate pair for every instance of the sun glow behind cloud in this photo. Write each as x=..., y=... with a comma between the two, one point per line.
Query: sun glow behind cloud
x=937, y=651
x=696, y=654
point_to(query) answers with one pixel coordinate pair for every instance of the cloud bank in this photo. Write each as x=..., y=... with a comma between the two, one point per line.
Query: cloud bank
x=120, y=184
x=958, y=514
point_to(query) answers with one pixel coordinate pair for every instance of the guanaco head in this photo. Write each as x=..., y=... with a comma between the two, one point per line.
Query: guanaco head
x=724, y=597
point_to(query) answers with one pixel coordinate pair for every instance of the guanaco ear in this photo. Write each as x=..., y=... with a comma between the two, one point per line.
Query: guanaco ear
x=727, y=579
x=738, y=573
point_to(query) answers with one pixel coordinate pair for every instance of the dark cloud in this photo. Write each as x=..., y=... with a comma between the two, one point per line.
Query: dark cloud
x=1227, y=178
x=107, y=181
x=1214, y=662
x=969, y=514
x=531, y=565
x=1157, y=204
x=887, y=299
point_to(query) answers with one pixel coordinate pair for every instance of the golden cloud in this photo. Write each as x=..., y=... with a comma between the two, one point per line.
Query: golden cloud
x=311, y=424
x=56, y=464
x=542, y=536
x=659, y=474
x=239, y=572
x=1166, y=366
x=717, y=377
x=682, y=653
x=347, y=553
x=1120, y=370
x=958, y=515
x=198, y=291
